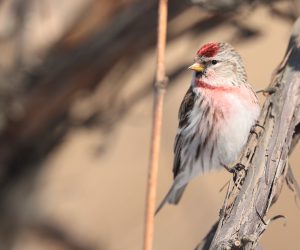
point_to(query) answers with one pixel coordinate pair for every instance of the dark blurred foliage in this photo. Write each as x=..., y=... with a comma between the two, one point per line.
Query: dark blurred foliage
x=56, y=53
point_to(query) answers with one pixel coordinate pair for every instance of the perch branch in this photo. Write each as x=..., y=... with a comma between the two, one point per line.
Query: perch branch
x=159, y=92
x=265, y=160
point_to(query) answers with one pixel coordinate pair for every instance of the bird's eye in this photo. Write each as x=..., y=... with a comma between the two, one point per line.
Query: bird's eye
x=214, y=62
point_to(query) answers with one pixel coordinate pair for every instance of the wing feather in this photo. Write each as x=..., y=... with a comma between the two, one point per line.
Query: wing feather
x=186, y=106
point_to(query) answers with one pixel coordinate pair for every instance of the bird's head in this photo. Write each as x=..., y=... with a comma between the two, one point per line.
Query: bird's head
x=218, y=64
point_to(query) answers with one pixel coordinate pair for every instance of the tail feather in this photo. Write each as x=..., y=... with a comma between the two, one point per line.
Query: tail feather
x=172, y=197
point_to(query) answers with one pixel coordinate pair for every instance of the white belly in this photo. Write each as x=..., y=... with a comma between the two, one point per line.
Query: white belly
x=226, y=141
x=234, y=134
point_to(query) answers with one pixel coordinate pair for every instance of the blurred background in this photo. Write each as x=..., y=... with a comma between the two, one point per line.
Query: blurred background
x=75, y=113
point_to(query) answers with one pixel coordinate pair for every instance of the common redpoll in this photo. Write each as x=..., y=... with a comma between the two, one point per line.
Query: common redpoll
x=215, y=116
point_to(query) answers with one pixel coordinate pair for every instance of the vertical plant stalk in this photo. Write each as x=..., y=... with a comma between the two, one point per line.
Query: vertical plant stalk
x=159, y=92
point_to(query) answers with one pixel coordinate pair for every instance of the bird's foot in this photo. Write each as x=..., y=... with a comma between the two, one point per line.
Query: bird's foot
x=267, y=91
x=257, y=129
x=235, y=169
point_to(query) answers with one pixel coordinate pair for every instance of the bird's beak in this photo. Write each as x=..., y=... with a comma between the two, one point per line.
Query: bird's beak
x=197, y=67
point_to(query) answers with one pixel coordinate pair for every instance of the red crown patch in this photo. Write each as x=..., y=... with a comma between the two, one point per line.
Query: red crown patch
x=208, y=50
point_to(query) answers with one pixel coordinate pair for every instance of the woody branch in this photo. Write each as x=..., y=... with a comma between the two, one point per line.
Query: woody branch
x=254, y=188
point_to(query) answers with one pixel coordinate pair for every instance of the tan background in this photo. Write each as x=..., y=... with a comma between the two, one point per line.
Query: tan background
x=98, y=198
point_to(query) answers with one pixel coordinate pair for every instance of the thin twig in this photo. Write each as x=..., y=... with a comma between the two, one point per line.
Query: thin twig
x=159, y=91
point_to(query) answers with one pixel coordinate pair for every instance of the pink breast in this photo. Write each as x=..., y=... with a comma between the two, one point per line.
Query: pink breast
x=224, y=97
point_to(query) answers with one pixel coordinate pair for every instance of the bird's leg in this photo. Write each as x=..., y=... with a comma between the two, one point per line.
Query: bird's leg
x=267, y=91
x=235, y=169
x=239, y=172
x=256, y=131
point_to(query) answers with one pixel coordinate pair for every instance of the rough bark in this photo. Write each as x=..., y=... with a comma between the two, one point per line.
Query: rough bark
x=257, y=185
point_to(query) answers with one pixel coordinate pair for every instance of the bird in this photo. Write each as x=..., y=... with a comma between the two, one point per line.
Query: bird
x=215, y=117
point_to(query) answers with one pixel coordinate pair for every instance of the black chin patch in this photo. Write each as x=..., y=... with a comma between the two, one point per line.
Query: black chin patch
x=199, y=74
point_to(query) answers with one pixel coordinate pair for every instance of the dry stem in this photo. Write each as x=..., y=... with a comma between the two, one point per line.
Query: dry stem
x=159, y=91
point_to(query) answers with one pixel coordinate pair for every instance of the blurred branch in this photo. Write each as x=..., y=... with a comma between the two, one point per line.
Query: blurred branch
x=37, y=113
x=221, y=5
x=159, y=92
x=67, y=73
x=265, y=160
x=233, y=6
